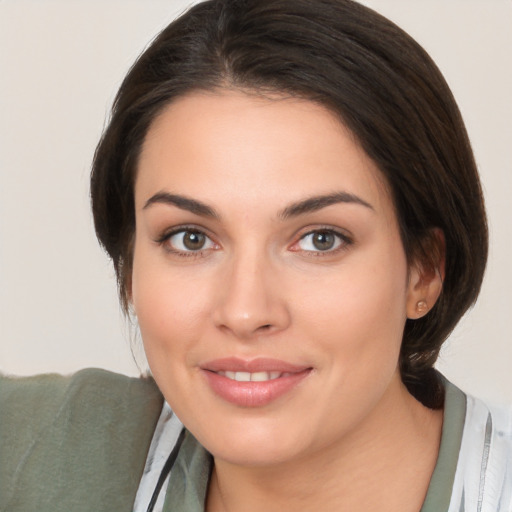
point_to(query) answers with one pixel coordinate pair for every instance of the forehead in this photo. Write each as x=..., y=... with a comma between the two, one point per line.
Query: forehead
x=230, y=144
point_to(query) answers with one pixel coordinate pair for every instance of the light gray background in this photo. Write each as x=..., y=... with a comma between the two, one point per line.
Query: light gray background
x=61, y=62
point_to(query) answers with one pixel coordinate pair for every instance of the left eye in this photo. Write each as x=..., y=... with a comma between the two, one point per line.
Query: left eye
x=320, y=241
x=190, y=241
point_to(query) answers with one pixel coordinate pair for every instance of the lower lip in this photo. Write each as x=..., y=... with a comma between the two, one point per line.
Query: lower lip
x=253, y=394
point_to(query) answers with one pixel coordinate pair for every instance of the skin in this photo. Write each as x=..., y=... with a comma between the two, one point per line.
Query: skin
x=349, y=435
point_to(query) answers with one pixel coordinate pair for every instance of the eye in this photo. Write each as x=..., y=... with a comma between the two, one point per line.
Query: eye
x=322, y=240
x=188, y=241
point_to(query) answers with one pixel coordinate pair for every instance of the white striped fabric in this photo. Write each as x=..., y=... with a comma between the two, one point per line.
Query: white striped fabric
x=483, y=480
x=166, y=434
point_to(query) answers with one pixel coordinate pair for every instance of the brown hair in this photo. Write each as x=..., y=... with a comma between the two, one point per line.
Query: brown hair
x=361, y=66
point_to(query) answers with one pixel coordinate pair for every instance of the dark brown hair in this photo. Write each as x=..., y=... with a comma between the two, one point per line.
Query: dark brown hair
x=381, y=84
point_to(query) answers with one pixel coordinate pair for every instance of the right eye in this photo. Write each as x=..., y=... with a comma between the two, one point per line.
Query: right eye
x=187, y=241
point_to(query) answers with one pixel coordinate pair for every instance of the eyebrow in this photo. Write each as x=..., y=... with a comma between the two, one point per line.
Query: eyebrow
x=315, y=203
x=182, y=202
x=311, y=204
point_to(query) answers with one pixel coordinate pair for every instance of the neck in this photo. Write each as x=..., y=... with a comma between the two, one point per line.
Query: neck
x=385, y=463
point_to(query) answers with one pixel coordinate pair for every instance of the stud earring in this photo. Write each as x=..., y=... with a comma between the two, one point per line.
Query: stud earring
x=421, y=306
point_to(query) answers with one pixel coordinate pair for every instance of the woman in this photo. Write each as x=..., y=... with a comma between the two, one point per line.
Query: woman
x=289, y=198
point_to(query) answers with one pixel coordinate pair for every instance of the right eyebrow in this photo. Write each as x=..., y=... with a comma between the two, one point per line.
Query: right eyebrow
x=182, y=202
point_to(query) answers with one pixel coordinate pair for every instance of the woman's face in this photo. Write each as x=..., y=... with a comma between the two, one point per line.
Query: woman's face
x=269, y=278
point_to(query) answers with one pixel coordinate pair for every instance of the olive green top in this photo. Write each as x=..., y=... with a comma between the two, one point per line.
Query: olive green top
x=440, y=488
x=74, y=444
x=79, y=443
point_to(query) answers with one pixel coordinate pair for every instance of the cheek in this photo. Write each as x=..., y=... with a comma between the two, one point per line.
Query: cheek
x=165, y=308
x=356, y=328
x=162, y=304
x=169, y=315
x=170, y=328
x=360, y=313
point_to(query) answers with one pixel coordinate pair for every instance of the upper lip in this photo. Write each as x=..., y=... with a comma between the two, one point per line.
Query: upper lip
x=261, y=364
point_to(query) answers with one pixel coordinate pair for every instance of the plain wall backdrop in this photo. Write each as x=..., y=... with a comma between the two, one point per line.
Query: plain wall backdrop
x=61, y=62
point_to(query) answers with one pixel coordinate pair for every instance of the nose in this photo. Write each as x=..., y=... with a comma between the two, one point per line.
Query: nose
x=251, y=300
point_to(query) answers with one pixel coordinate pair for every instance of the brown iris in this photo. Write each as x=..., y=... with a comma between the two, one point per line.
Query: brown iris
x=323, y=240
x=193, y=240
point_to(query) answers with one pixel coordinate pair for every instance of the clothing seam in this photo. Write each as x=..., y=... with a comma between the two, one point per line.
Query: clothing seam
x=485, y=461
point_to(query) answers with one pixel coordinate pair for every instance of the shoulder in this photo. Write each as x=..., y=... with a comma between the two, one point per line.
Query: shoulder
x=79, y=431
x=484, y=469
x=52, y=388
x=487, y=436
x=38, y=399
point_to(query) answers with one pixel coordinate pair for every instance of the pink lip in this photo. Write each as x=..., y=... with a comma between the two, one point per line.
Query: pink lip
x=253, y=394
x=261, y=364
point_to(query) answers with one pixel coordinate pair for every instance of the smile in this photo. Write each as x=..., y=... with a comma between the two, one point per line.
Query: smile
x=252, y=377
x=254, y=383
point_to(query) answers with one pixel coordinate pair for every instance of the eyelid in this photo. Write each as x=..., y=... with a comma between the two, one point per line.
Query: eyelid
x=167, y=232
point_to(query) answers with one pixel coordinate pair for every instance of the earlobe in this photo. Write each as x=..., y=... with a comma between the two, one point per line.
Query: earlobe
x=424, y=290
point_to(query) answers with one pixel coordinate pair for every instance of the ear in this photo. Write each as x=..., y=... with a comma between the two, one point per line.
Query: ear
x=426, y=274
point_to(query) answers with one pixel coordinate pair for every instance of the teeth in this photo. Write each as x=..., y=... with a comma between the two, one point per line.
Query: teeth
x=252, y=377
x=260, y=376
x=243, y=376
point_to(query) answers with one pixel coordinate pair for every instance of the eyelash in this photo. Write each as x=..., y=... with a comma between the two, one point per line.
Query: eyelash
x=342, y=240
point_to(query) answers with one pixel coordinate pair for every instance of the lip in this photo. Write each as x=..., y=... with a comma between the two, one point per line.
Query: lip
x=253, y=394
x=260, y=364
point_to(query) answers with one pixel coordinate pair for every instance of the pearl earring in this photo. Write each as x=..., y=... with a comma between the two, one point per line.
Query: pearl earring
x=421, y=306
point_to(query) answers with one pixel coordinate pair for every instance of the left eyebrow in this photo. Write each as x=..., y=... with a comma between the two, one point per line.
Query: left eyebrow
x=315, y=203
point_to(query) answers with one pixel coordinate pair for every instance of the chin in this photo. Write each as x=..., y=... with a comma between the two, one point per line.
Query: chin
x=251, y=442
x=254, y=453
